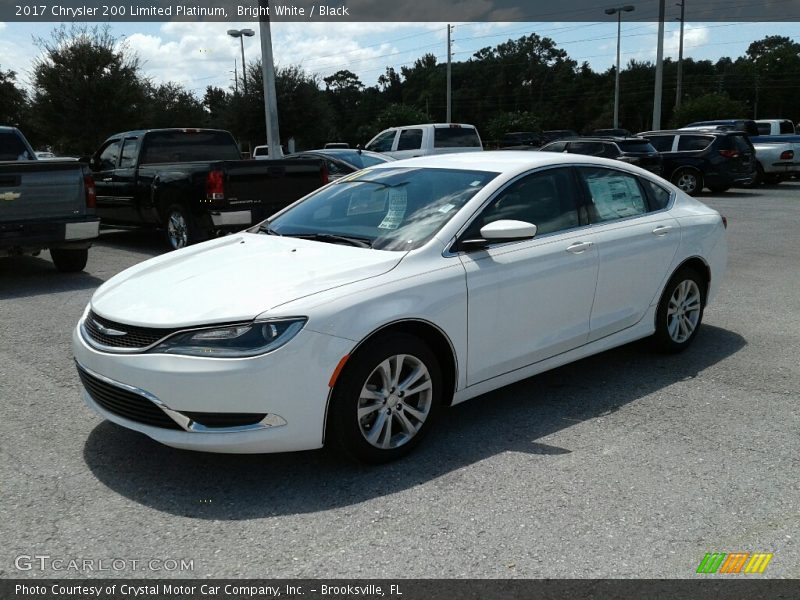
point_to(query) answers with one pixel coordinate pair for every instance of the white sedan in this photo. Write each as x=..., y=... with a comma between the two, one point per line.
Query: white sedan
x=357, y=314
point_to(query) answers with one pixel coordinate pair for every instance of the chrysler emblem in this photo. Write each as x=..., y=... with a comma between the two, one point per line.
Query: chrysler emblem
x=107, y=330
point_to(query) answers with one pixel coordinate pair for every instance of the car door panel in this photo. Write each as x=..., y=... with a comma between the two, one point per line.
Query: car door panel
x=529, y=299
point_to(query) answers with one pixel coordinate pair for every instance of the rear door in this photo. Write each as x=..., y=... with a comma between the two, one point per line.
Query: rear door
x=409, y=143
x=636, y=241
x=108, y=207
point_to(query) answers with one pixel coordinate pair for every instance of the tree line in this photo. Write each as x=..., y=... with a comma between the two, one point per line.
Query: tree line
x=86, y=85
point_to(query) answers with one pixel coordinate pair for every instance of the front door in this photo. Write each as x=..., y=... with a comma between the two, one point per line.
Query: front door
x=531, y=299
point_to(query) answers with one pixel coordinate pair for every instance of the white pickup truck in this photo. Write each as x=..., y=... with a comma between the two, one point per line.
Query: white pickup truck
x=777, y=149
x=423, y=140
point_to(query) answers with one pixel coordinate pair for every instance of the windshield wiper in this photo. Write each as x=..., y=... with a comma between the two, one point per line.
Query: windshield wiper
x=333, y=238
x=265, y=228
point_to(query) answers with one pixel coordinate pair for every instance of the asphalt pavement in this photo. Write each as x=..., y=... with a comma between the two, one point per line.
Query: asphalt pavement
x=626, y=464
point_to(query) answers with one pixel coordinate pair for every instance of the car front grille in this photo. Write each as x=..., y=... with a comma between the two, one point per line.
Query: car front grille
x=124, y=403
x=118, y=335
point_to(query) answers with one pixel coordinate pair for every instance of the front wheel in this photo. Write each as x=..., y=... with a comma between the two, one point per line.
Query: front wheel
x=70, y=260
x=689, y=181
x=680, y=311
x=386, y=399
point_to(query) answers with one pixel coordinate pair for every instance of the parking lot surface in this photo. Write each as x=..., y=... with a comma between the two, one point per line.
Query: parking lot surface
x=627, y=464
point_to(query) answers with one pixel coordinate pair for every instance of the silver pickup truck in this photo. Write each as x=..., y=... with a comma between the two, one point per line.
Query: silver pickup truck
x=45, y=205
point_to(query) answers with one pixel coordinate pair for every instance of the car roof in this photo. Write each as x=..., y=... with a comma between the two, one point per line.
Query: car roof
x=344, y=152
x=138, y=132
x=699, y=131
x=498, y=161
x=616, y=138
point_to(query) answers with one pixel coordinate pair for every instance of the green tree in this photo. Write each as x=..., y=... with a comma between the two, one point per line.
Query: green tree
x=13, y=100
x=708, y=107
x=510, y=121
x=86, y=86
x=171, y=105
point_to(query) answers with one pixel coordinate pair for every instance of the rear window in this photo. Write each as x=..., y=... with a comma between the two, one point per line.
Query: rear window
x=12, y=148
x=186, y=146
x=589, y=148
x=261, y=151
x=555, y=147
x=741, y=143
x=688, y=143
x=456, y=137
x=642, y=146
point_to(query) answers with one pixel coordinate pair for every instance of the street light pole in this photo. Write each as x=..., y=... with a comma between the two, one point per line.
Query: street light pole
x=679, y=87
x=241, y=34
x=449, y=84
x=618, y=11
x=659, y=67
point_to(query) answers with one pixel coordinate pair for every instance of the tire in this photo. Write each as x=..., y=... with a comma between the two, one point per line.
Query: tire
x=70, y=260
x=772, y=178
x=680, y=311
x=363, y=388
x=178, y=227
x=758, y=179
x=688, y=180
x=719, y=189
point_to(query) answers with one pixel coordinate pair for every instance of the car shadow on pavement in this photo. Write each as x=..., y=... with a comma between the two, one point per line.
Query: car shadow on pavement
x=24, y=276
x=239, y=487
x=146, y=241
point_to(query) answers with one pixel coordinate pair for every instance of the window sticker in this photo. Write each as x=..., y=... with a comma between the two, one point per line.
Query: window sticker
x=616, y=197
x=366, y=201
x=397, y=209
x=447, y=208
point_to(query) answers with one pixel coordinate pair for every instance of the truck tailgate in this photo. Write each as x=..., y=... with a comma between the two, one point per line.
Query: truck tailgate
x=270, y=185
x=41, y=189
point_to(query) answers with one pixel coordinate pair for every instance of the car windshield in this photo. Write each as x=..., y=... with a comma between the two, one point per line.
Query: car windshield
x=387, y=209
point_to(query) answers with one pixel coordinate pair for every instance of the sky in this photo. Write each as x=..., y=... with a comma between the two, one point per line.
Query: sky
x=199, y=54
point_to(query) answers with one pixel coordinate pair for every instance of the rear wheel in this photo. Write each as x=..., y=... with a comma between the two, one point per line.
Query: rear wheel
x=689, y=181
x=178, y=227
x=386, y=399
x=70, y=260
x=680, y=311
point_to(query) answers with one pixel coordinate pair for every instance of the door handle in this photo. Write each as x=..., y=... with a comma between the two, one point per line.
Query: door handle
x=106, y=179
x=579, y=247
x=662, y=230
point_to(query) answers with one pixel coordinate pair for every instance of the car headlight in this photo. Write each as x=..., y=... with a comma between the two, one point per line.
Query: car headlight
x=233, y=341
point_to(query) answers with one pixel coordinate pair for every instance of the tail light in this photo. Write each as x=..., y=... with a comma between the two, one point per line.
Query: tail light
x=724, y=221
x=91, y=191
x=729, y=153
x=787, y=155
x=215, y=185
x=324, y=172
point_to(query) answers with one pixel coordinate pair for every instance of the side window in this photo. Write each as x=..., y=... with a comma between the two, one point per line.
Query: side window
x=383, y=143
x=659, y=196
x=334, y=169
x=662, y=143
x=546, y=199
x=614, y=195
x=130, y=150
x=765, y=128
x=110, y=156
x=693, y=142
x=589, y=148
x=555, y=147
x=410, y=139
x=786, y=127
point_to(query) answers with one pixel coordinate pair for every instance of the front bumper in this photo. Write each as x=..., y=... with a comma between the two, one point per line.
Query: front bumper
x=288, y=385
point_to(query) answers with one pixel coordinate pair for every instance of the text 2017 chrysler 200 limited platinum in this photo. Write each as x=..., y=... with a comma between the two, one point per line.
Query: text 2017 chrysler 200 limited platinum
x=358, y=313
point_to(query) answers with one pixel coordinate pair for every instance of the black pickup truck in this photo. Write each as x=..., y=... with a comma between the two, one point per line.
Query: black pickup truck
x=193, y=183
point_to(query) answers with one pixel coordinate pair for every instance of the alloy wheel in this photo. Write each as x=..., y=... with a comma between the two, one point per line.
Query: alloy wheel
x=683, y=312
x=687, y=182
x=395, y=401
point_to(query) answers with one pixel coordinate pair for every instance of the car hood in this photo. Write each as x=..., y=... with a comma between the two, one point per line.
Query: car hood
x=234, y=278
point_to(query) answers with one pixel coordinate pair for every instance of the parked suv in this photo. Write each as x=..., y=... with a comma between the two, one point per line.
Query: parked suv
x=634, y=150
x=714, y=159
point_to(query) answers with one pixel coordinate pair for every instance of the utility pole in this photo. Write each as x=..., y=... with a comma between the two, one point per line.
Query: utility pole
x=449, y=81
x=618, y=11
x=659, y=67
x=235, y=76
x=679, y=88
x=268, y=68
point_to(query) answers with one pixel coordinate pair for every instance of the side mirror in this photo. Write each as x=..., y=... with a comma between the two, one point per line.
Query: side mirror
x=508, y=230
